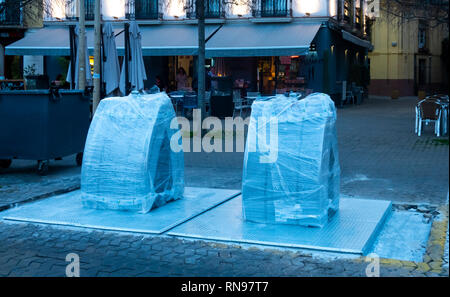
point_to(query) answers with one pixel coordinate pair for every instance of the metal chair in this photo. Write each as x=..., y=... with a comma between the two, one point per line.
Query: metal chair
x=251, y=96
x=428, y=111
x=208, y=102
x=189, y=101
x=444, y=101
x=429, y=98
x=358, y=93
x=348, y=98
x=177, y=100
x=239, y=103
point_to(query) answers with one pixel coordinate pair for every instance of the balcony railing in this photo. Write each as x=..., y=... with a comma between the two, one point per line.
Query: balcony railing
x=143, y=9
x=89, y=8
x=71, y=10
x=358, y=19
x=347, y=11
x=271, y=8
x=10, y=13
x=213, y=9
x=72, y=13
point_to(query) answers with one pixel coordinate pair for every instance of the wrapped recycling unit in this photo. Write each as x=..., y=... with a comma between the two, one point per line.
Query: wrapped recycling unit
x=128, y=163
x=291, y=164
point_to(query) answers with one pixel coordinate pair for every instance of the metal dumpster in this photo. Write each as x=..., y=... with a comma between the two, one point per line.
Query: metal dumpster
x=42, y=125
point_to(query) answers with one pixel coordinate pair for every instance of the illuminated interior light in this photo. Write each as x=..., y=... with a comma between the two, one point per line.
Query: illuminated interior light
x=308, y=7
x=176, y=8
x=240, y=8
x=114, y=9
x=58, y=10
x=333, y=7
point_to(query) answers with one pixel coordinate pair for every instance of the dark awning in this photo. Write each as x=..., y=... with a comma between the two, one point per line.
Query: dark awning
x=169, y=39
x=157, y=40
x=356, y=40
x=48, y=41
x=251, y=40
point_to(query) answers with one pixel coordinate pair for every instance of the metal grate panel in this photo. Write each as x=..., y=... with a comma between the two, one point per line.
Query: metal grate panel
x=352, y=230
x=67, y=210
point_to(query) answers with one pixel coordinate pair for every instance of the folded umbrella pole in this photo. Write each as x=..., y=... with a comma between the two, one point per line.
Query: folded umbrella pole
x=135, y=60
x=111, y=70
x=88, y=68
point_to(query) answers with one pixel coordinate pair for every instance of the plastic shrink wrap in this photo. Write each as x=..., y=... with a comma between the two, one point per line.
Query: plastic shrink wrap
x=298, y=181
x=128, y=163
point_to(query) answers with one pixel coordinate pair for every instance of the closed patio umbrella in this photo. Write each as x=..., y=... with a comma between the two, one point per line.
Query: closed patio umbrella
x=111, y=69
x=88, y=67
x=136, y=74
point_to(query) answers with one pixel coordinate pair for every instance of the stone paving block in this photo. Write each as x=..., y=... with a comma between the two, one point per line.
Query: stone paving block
x=192, y=259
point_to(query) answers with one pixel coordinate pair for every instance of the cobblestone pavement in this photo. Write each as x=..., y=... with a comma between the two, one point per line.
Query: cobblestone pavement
x=34, y=250
x=380, y=156
x=21, y=183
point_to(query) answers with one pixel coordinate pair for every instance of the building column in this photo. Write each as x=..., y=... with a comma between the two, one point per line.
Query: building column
x=353, y=14
x=363, y=16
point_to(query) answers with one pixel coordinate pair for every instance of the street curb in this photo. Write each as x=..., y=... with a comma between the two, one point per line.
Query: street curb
x=436, y=242
x=41, y=196
x=433, y=257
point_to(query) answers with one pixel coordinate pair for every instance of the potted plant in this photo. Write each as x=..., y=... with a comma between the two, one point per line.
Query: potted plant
x=395, y=94
x=29, y=73
x=33, y=80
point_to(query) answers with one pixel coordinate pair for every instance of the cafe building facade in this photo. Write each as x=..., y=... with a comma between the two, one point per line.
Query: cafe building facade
x=265, y=46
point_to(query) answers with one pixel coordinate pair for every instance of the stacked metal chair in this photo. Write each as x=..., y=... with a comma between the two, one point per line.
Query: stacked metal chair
x=432, y=109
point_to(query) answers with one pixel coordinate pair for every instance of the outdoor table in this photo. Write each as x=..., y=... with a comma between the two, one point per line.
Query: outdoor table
x=176, y=95
x=177, y=98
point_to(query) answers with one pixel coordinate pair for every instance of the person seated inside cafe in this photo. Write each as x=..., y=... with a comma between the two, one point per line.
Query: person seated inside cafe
x=160, y=84
x=60, y=82
x=182, y=79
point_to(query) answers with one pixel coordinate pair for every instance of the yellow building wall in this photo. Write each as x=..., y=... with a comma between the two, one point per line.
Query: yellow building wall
x=395, y=50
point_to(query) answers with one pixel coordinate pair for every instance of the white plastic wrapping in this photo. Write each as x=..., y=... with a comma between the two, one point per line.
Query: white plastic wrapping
x=128, y=163
x=294, y=180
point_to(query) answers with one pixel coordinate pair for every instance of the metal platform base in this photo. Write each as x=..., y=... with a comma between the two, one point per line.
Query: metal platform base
x=67, y=210
x=353, y=230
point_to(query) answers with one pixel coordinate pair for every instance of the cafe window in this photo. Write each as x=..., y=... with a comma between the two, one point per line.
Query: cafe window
x=423, y=28
x=290, y=74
